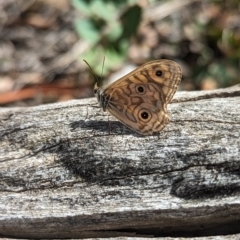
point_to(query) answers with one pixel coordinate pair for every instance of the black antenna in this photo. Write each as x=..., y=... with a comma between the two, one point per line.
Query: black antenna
x=97, y=80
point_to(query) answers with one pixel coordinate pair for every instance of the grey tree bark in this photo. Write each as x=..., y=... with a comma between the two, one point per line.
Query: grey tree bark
x=66, y=171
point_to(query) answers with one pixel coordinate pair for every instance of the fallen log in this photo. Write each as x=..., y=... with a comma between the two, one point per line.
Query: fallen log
x=68, y=170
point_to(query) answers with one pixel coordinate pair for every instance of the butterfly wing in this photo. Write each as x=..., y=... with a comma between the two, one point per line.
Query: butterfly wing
x=139, y=99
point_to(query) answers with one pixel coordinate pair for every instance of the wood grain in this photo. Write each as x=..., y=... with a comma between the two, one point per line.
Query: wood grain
x=66, y=171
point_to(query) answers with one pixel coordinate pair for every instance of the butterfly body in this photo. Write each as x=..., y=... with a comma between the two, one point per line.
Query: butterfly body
x=139, y=99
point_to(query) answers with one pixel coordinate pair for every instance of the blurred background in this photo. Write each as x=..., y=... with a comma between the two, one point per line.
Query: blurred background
x=43, y=44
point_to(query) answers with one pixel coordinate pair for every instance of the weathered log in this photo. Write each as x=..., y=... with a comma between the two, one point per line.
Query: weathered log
x=67, y=171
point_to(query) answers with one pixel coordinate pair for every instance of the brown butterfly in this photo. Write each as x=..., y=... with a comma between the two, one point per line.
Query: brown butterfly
x=139, y=99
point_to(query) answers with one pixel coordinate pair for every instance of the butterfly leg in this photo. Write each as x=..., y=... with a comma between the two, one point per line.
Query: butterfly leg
x=109, y=126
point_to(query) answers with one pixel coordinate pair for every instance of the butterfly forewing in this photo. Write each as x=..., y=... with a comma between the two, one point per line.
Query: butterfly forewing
x=139, y=99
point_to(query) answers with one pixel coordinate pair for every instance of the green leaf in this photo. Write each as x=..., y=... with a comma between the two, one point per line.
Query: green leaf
x=86, y=29
x=104, y=10
x=114, y=59
x=95, y=56
x=82, y=5
x=115, y=31
x=131, y=20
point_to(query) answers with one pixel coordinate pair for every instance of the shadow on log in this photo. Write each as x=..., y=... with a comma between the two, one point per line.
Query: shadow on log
x=66, y=171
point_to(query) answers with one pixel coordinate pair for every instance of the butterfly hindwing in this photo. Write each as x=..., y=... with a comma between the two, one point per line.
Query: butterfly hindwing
x=139, y=99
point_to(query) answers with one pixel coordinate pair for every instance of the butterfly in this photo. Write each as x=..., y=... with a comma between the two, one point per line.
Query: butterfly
x=139, y=99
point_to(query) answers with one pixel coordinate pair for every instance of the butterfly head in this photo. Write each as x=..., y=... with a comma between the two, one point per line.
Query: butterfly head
x=96, y=89
x=101, y=97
